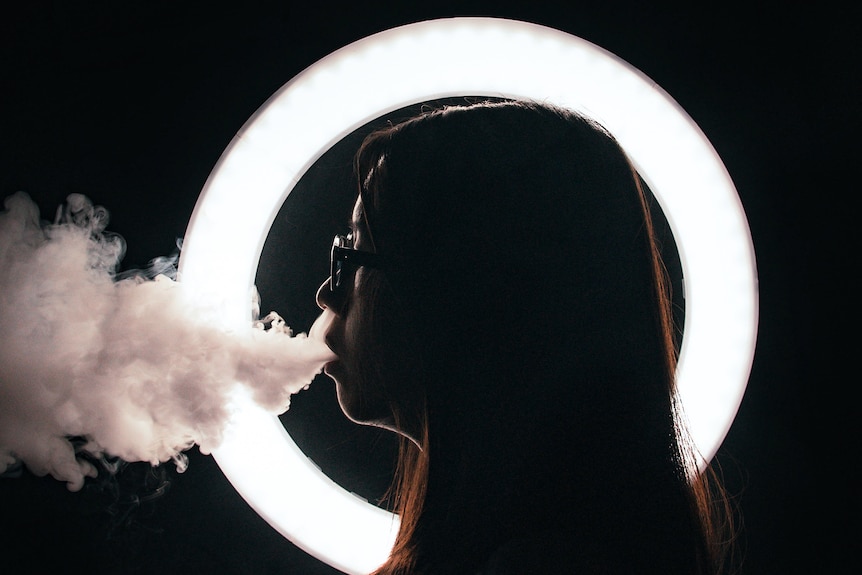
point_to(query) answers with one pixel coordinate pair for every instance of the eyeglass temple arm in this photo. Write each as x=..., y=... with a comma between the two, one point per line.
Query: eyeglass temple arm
x=358, y=258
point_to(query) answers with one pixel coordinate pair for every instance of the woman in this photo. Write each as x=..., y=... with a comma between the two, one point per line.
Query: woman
x=500, y=303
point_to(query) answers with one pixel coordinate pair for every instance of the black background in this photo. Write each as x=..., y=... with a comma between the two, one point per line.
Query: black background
x=132, y=103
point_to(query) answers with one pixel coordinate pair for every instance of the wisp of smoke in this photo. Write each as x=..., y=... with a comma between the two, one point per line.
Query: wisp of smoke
x=130, y=367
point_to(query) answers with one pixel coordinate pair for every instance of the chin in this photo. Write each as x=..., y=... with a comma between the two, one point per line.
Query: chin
x=351, y=411
x=354, y=410
x=351, y=402
x=347, y=401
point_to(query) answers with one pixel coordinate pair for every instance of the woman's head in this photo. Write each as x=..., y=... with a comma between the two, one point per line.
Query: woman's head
x=518, y=248
x=517, y=329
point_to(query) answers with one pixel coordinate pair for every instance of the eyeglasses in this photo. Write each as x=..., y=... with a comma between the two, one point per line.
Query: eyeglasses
x=344, y=256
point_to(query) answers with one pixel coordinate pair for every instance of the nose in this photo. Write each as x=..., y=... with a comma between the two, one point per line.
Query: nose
x=326, y=299
x=323, y=295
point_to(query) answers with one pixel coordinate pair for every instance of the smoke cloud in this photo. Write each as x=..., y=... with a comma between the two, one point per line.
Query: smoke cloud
x=128, y=366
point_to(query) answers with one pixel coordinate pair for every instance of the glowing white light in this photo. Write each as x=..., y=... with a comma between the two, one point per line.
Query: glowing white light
x=457, y=57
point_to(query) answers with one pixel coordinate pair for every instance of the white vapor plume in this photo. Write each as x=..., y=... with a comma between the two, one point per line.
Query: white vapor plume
x=129, y=367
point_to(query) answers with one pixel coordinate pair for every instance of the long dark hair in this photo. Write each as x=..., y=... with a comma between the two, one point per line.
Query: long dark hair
x=527, y=268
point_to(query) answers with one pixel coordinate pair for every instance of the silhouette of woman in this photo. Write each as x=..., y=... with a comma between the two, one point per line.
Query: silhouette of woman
x=501, y=304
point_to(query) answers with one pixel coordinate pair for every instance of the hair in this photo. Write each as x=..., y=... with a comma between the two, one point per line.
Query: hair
x=527, y=270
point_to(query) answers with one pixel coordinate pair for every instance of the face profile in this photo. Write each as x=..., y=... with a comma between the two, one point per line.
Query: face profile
x=336, y=294
x=501, y=304
x=362, y=335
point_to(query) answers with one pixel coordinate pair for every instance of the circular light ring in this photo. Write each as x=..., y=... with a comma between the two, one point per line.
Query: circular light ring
x=437, y=59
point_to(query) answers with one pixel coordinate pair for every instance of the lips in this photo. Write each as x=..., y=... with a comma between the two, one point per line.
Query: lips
x=333, y=369
x=321, y=331
x=330, y=367
x=331, y=340
x=333, y=347
x=321, y=326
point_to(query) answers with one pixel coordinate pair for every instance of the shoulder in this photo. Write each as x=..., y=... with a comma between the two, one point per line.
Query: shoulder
x=554, y=552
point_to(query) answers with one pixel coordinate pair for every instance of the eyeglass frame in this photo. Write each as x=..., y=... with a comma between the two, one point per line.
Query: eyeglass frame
x=342, y=255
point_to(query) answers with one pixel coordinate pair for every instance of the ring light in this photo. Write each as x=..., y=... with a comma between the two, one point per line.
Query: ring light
x=427, y=61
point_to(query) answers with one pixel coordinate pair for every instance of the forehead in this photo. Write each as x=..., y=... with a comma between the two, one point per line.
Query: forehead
x=358, y=216
x=358, y=223
x=359, y=226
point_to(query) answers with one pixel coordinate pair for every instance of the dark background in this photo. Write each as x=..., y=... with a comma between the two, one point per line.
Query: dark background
x=132, y=103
